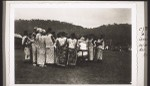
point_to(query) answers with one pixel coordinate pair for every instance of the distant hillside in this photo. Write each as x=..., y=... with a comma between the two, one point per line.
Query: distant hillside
x=117, y=34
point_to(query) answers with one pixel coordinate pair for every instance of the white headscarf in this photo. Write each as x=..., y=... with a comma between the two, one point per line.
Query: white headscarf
x=39, y=30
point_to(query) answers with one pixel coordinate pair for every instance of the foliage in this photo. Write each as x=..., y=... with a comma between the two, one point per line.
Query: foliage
x=114, y=34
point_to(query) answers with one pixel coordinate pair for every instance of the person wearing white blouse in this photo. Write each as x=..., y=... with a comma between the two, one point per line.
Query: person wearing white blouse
x=72, y=50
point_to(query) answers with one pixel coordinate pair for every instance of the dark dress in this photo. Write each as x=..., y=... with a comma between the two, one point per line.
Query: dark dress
x=61, y=53
x=72, y=52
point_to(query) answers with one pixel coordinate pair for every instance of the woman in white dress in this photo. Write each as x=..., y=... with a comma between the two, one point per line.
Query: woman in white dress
x=91, y=48
x=49, y=47
x=41, y=48
x=99, y=48
x=33, y=45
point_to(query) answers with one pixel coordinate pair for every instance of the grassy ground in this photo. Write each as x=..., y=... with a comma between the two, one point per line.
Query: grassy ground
x=115, y=69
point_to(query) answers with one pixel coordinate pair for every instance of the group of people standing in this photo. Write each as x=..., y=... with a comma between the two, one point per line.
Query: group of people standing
x=42, y=48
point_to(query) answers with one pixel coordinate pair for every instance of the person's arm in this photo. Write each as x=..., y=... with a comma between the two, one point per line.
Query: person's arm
x=37, y=37
x=23, y=39
x=31, y=40
x=94, y=43
x=53, y=39
x=103, y=44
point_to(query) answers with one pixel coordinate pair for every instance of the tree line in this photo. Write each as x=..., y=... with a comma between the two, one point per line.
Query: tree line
x=114, y=34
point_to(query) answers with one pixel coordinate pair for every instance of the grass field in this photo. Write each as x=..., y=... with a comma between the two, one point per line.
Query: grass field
x=115, y=69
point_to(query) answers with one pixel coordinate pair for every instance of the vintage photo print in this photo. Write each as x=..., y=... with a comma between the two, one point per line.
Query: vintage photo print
x=71, y=43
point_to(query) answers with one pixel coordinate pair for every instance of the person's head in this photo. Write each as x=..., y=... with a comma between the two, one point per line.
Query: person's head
x=35, y=29
x=30, y=35
x=59, y=34
x=101, y=37
x=26, y=32
x=82, y=38
x=38, y=30
x=43, y=32
x=49, y=30
x=90, y=37
x=63, y=34
x=73, y=36
x=85, y=37
x=54, y=34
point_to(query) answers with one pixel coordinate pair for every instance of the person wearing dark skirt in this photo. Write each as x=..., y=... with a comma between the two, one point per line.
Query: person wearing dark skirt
x=72, y=50
x=61, y=49
x=26, y=46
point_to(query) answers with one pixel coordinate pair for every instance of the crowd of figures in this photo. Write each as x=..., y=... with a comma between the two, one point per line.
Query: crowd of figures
x=43, y=48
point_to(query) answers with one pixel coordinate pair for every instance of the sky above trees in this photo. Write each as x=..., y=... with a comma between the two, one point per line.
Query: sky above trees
x=85, y=17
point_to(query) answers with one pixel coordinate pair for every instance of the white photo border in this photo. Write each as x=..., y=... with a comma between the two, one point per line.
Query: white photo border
x=9, y=32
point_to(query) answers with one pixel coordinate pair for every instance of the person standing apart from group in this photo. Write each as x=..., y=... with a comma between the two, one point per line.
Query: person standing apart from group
x=99, y=48
x=72, y=50
x=49, y=40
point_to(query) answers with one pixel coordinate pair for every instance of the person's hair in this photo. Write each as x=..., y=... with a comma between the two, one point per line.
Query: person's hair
x=91, y=36
x=73, y=36
x=101, y=37
x=59, y=34
x=49, y=30
x=63, y=34
x=30, y=34
x=25, y=32
x=54, y=34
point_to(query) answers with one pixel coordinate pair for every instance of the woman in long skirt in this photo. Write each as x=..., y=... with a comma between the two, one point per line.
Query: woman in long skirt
x=91, y=49
x=49, y=47
x=33, y=46
x=99, y=48
x=61, y=54
x=41, y=49
x=26, y=46
x=72, y=51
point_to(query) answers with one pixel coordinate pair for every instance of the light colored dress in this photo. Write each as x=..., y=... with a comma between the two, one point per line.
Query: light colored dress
x=41, y=50
x=34, y=48
x=83, y=49
x=91, y=50
x=72, y=52
x=99, y=50
x=49, y=49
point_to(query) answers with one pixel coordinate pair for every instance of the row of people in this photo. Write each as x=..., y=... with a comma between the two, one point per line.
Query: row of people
x=63, y=50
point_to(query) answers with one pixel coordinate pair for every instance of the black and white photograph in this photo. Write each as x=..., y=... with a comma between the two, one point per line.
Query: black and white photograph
x=73, y=43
